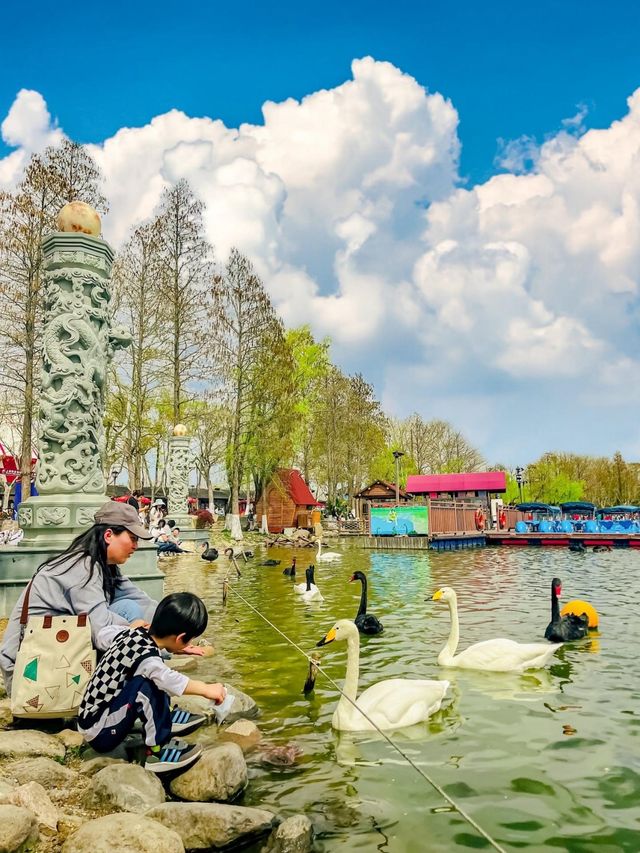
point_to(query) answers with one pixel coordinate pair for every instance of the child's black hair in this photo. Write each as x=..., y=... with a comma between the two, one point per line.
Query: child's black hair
x=179, y=613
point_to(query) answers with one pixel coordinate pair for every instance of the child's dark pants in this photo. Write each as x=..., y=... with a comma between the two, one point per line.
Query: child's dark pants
x=139, y=699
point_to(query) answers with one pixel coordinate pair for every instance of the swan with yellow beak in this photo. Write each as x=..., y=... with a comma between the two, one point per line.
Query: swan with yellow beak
x=391, y=704
x=497, y=655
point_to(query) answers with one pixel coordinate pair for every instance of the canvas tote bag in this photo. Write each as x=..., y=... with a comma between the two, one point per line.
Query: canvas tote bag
x=54, y=663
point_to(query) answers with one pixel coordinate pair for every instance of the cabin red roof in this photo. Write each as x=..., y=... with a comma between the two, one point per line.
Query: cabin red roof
x=489, y=481
x=298, y=490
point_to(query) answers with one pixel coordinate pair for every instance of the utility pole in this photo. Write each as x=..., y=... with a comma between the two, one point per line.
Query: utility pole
x=396, y=455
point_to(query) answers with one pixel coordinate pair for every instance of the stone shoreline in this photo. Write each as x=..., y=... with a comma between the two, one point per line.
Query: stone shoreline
x=58, y=796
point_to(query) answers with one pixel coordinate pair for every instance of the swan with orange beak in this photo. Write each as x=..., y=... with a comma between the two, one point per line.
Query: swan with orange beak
x=391, y=704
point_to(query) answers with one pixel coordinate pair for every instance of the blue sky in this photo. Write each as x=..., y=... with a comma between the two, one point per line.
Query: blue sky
x=510, y=69
x=504, y=300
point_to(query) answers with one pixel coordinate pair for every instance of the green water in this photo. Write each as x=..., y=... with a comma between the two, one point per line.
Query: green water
x=497, y=747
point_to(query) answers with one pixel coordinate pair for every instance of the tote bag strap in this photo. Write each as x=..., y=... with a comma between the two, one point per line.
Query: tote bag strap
x=24, y=613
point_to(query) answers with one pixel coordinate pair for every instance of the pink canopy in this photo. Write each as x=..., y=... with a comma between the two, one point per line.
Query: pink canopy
x=490, y=481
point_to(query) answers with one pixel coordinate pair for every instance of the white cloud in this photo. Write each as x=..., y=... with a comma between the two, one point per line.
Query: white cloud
x=509, y=307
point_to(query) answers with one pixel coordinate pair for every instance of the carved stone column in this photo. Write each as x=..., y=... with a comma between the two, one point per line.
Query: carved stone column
x=78, y=343
x=180, y=465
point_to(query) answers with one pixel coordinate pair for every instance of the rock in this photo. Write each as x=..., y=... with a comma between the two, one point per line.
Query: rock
x=6, y=717
x=94, y=765
x=18, y=829
x=123, y=833
x=243, y=732
x=71, y=739
x=45, y=771
x=7, y=785
x=220, y=774
x=22, y=743
x=186, y=663
x=3, y=690
x=124, y=788
x=33, y=796
x=207, y=826
x=294, y=835
x=243, y=706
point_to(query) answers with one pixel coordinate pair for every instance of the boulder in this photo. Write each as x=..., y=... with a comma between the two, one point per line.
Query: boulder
x=7, y=785
x=243, y=732
x=68, y=824
x=210, y=826
x=185, y=663
x=70, y=738
x=124, y=788
x=243, y=706
x=94, y=765
x=123, y=833
x=6, y=717
x=18, y=829
x=33, y=796
x=47, y=772
x=23, y=743
x=294, y=835
x=220, y=774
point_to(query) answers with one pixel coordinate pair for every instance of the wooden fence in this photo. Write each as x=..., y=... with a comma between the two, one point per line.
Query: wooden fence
x=445, y=516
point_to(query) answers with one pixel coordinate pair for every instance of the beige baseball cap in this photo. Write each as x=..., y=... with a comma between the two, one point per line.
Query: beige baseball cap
x=117, y=514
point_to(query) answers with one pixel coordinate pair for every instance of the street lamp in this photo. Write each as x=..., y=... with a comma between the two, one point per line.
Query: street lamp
x=396, y=455
x=520, y=480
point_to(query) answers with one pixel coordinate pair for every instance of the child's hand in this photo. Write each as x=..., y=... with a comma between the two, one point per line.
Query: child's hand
x=216, y=692
x=192, y=650
x=139, y=623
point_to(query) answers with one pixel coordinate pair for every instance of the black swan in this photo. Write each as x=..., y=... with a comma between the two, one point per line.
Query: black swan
x=271, y=563
x=562, y=628
x=209, y=554
x=290, y=571
x=366, y=623
x=577, y=548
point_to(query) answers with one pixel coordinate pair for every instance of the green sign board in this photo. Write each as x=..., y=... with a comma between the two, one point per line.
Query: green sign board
x=399, y=520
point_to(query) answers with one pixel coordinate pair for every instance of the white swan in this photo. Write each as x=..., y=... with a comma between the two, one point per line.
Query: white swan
x=328, y=556
x=308, y=590
x=391, y=704
x=490, y=655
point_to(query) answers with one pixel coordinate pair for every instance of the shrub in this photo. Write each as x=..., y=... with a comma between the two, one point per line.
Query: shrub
x=204, y=519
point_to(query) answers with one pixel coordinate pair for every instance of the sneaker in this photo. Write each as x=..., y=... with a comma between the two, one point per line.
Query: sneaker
x=183, y=722
x=176, y=755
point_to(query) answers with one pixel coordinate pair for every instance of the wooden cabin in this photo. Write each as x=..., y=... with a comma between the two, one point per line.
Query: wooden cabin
x=287, y=501
x=376, y=493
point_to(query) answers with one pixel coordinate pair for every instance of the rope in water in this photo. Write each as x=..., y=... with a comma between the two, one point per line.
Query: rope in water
x=395, y=746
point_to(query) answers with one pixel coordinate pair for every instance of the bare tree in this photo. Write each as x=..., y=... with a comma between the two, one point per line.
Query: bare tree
x=241, y=320
x=184, y=273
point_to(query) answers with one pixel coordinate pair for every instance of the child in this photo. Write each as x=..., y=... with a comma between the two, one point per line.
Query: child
x=131, y=682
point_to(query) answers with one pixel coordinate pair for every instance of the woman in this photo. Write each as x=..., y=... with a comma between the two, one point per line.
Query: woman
x=85, y=578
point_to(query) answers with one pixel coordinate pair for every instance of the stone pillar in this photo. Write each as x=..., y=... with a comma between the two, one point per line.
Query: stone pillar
x=78, y=343
x=180, y=465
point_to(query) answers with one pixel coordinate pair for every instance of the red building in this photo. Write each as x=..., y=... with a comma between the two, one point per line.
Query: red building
x=458, y=486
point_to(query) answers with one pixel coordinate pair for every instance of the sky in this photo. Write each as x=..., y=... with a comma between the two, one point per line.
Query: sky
x=450, y=191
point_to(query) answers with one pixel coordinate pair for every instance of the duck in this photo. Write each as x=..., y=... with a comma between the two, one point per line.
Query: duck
x=577, y=548
x=391, y=704
x=598, y=549
x=328, y=556
x=308, y=590
x=563, y=628
x=290, y=571
x=271, y=563
x=208, y=553
x=365, y=622
x=238, y=552
x=497, y=655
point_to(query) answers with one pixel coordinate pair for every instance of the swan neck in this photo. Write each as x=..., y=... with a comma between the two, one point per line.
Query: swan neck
x=555, y=607
x=350, y=687
x=363, y=599
x=454, y=634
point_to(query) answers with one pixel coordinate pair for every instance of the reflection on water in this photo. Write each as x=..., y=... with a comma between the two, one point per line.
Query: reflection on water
x=498, y=745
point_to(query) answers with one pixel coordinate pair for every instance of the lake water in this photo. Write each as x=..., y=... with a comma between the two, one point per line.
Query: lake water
x=497, y=747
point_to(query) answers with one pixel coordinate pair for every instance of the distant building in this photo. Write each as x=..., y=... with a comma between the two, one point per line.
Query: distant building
x=286, y=501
